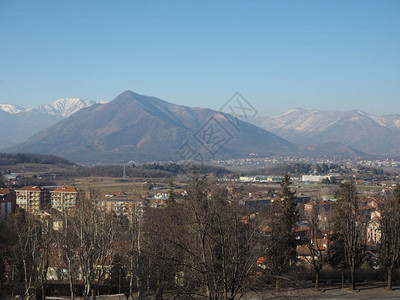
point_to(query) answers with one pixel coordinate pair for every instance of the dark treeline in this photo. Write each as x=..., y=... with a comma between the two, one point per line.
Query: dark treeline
x=176, y=169
x=206, y=244
x=19, y=158
x=153, y=170
x=148, y=170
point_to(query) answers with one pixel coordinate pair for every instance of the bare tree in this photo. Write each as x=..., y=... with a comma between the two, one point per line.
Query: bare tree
x=135, y=247
x=218, y=241
x=162, y=256
x=65, y=240
x=390, y=235
x=95, y=233
x=29, y=243
x=317, y=244
x=46, y=239
x=351, y=228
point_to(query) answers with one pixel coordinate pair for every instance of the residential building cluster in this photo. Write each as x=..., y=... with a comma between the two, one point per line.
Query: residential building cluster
x=35, y=199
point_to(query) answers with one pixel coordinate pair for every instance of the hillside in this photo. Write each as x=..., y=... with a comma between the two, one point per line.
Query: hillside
x=19, y=124
x=379, y=135
x=143, y=128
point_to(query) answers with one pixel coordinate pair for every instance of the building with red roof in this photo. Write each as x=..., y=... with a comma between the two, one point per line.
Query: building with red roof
x=63, y=198
x=33, y=198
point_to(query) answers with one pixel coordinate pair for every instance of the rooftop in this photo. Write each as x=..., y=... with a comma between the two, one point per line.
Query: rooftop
x=31, y=188
x=67, y=189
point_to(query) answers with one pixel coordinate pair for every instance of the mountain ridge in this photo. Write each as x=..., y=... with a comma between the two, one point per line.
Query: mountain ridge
x=379, y=135
x=145, y=128
x=139, y=127
x=64, y=107
x=19, y=123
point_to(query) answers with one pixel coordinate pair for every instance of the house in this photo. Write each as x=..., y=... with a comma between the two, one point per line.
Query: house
x=159, y=200
x=314, y=208
x=368, y=211
x=301, y=231
x=317, y=248
x=374, y=231
x=262, y=262
x=7, y=202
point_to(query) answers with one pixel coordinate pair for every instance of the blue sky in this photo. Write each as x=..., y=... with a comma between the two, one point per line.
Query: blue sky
x=325, y=55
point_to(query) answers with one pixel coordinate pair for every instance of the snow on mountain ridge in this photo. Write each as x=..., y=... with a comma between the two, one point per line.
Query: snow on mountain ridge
x=311, y=120
x=61, y=108
x=11, y=108
x=65, y=107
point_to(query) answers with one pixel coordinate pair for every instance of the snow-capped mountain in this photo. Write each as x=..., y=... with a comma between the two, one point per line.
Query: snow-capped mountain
x=369, y=133
x=62, y=108
x=19, y=123
x=65, y=107
x=133, y=126
x=11, y=108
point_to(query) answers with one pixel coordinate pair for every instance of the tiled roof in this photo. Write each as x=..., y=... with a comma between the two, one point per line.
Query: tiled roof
x=68, y=189
x=4, y=191
x=31, y=188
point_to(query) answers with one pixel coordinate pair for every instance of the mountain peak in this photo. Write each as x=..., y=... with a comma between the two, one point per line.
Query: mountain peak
x=65, y=107
x=11, y=108
x=144, y=128
x=369, y=133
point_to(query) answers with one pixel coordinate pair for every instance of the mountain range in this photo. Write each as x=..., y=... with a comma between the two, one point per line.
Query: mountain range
x=65, y=107
x=378, y=135
x=19, y=123
x=143, y=128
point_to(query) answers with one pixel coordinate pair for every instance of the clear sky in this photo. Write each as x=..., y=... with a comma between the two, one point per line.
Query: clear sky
x=325, y=55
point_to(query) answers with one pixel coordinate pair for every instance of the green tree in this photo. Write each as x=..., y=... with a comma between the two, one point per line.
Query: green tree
x=171, y=192
x=281, y=248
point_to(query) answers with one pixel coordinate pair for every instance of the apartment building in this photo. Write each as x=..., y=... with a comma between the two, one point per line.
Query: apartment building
x=120, y=203
x=33, y=198
x=63, y=198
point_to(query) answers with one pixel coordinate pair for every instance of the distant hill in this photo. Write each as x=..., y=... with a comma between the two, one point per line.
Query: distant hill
x=18, y=127
x=19, y=124
x=379, y=135
x=33, y=158
x=143, y=128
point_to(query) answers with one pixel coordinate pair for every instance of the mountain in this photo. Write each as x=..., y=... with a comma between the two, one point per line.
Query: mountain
x=19, y=124
x=11, y=108
x=379, y=135
x=65, y=107
x=31, y=158
x=143, y=128
x=18, y=127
